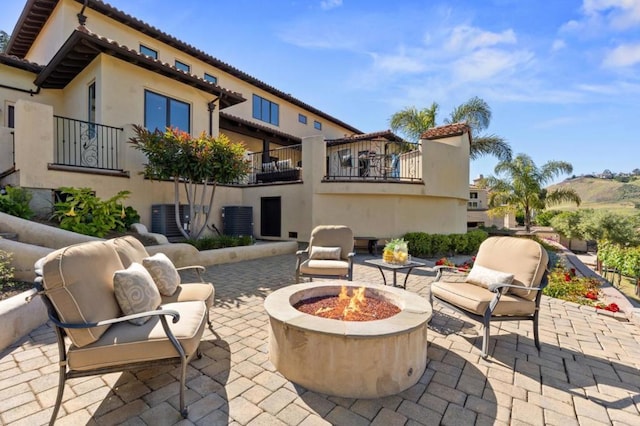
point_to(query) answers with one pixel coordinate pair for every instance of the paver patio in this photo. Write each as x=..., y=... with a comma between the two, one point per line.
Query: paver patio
x=587, y=373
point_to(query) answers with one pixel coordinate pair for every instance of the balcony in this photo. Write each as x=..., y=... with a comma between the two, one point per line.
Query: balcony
x=275, y=166
x=374, y=161
x=87, y=145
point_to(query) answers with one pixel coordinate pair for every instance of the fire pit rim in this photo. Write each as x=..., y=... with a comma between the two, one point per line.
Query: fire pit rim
x=415, y=312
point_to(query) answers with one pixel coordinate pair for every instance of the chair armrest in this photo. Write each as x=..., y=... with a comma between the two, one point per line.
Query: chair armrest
x=158, y=312
x=301, y=252
x=352, y=254
x=444, y=268
x=498, y=286
x=199, y=270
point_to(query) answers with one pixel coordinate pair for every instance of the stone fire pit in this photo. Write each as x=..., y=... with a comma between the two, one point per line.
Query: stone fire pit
x=352, y=359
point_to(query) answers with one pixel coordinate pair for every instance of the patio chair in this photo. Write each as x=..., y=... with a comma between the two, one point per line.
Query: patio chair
x=115, y=317
x=504, y=284
x=329, y=254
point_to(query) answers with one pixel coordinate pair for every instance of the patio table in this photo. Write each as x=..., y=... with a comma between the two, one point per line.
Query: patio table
x=395, y=268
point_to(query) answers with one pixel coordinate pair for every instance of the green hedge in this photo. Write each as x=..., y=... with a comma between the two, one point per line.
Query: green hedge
x=431, y=245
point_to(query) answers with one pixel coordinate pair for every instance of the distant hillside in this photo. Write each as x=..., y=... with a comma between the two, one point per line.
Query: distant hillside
x=604, y=194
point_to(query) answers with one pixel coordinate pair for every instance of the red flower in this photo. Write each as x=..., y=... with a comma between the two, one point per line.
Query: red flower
x=612, y=307
x=573, y=272
x=567, y=277
x=593, y=295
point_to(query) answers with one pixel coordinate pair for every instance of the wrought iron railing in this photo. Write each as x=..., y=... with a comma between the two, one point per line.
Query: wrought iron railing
x=276, y=165
x=374, y=160
x=85, y=144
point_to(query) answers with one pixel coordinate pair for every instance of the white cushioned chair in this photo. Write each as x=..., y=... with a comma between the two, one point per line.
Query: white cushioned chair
x=77, y=286
x=329, y=254
x=507, y=286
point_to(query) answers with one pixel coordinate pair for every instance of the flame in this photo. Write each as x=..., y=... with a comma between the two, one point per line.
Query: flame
x=358, y=299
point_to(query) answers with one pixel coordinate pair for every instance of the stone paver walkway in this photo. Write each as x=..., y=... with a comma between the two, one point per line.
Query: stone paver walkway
x=588, y=371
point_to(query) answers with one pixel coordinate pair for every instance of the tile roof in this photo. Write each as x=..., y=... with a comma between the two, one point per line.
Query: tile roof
x=446, y=131
x=83, y=46
x=36, y=13
x=227, y=120
x=386, y=134
x=23, y=64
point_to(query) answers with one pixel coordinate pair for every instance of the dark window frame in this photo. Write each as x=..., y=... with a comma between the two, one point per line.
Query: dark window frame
x=302, y=119
x=11, y=116
x=145, y=50
x=317, y=125
x=265, y=110
x=210, y=78
x=168, y=119
x=182, y=66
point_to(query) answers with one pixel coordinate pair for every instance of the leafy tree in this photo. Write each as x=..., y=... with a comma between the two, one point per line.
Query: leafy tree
x=523, y=187
x=196, y=163
x=4, y=41
x=412, y=123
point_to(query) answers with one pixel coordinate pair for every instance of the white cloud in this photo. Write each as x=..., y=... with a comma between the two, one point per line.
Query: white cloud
x=625, y=55
x=485, y=64
x=603, y=15
x=400, y=62
x=558, y=44
x=330, y=4
x=464, y=37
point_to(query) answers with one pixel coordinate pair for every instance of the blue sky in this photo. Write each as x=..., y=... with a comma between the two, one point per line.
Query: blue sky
x=562, y=77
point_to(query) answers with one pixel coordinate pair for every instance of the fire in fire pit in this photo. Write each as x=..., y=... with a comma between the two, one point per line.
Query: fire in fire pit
x=356, y=307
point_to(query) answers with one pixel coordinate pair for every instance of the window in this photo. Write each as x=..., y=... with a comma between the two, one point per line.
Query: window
x=161, y=112
x=302, y=118
x=91, y=108
x=182, y=66
x=210, y=78
x=11, y=116
x=473, y=195
x=148, y=51
x=317, y=125
x=473, y=204
x=266, y=110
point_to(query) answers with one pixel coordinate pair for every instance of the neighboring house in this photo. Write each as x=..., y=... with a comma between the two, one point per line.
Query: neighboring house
x=478, y=208
x=75, y=79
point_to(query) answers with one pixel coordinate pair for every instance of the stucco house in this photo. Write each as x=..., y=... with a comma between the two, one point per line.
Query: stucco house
x=77, y=75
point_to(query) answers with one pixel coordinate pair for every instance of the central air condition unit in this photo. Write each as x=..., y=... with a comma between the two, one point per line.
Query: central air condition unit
x=163, y=219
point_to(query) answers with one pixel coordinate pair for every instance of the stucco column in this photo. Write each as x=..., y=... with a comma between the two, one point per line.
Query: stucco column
x=314, y=154
x=35, y=142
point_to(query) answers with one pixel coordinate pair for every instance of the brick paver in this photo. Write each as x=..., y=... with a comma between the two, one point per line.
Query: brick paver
x=588, y=371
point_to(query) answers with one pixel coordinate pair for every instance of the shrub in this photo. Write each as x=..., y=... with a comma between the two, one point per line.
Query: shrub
x=544, y=218
x=220, y=241
x=565, y=285
x=429, y=245
x=15, y=201
x=6, y=270
x=87, y=214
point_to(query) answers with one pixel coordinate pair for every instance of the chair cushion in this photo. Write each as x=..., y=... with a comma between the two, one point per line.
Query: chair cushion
x=484, y=277
x=524, y=258
x=192, y=292
x=125, y=343
x=129, y=248
x=325, y=267
x=78, y=281
x=325, y=253
x=333, y=236
x=475, y=299
x=136, y=292
x=163, y=272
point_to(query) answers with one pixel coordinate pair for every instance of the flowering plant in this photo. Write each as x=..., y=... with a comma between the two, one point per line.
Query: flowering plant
x=611, y=307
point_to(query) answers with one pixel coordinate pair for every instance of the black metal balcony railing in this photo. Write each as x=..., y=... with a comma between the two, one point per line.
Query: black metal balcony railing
x=276, y=165
x=374, y=160
x=85, y=144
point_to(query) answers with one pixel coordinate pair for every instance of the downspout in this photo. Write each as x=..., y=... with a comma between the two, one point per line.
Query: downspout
x=211, y=107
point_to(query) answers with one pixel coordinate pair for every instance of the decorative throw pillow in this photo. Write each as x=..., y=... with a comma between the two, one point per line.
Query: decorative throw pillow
x=284, y=164
x=163, y=272
x=136, y=292
x=269, y=167
x=325, y=253
x=482, y=276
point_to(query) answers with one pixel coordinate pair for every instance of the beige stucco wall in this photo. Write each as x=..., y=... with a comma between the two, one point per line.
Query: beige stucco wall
x=64, y=20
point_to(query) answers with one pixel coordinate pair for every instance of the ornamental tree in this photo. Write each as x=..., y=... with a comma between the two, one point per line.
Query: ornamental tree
x=196, y=164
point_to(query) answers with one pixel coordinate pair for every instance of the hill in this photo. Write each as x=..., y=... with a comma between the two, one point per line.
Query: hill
x=599, y=193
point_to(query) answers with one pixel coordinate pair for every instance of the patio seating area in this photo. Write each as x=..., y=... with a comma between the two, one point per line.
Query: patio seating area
x=588, y=371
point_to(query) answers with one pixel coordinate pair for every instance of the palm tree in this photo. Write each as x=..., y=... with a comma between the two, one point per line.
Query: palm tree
x=412, y=123
x=523, y=187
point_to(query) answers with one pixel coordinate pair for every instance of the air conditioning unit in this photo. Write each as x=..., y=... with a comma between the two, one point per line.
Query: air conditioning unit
x=163, y=219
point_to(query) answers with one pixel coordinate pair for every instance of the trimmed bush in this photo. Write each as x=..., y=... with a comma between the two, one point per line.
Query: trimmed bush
x=431, y=245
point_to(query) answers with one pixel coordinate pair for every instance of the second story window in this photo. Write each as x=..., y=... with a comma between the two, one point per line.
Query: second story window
x=302, y=118
x=148, y=51
x=317, y=125
x=210, y=78
x=473, y=195
x=161, y=112
x=182, y=66
x=266, y=110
